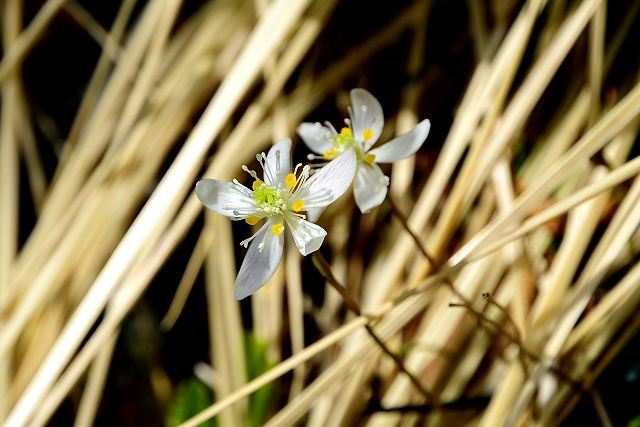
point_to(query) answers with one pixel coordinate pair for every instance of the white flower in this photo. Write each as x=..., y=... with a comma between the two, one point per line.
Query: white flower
x=279, y=198
x=364, y=129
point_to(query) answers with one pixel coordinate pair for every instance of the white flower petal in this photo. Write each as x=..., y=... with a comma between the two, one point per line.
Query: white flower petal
x=369, y=187
x=307, y=235
x=330, y=182
x=278, y=159
x=404, y=145
x=261, y=261
x=316, y=137
x=314, y=213
x=225, y=198
x=366, y=114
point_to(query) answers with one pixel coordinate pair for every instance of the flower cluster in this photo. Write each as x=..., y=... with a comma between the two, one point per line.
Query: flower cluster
x=282, y=195
x=363, y=130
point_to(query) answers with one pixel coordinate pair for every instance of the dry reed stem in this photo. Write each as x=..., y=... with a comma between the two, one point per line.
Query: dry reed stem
x=617, y=296
x=607, y=127
x=613, y=48
x=133, y=286
x=596, y=59
x=87, y=102
x=481, y=87
x=9, y=180
x=607, y=182
x=267, y=35
x=402, y=172
x=189, y=276
x=92, y=392
x=31, y=304
x=19, y=49
x=477, y=22
x=559, y=138
x=187, y=216
x=293, y=275
x=529, y=389
x=81, y=159
x=225, y=322
x=530, y=90
x=623, y=224
x=28, y=147
x=266, y=309
x=499, y=255
x=325, y=269
x=192, y=209
x=339, y=370
x=610, y=184
x=279, y=370
x=581, y=224
x=448, y=218
x=90, y=25
x=586, y=365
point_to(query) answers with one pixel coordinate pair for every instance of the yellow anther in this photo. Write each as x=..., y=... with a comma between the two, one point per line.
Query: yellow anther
x=290, y=181
x=330, y=153
x=367, y=134
x=369, y=158
x=252, y=219
x=298, y=205
x=345, y=132
x=257, y=183
x=277, y=229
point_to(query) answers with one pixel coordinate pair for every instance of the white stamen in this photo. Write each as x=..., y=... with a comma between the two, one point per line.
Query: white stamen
x=331, y=128
x=245, y=242
x=251, y=172
x=350, y=110
x=278, y=172
x=268, y=173
x=235, y=185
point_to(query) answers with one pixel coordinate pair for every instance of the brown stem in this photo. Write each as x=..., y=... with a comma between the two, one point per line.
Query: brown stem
x=467, y=304
x=491, y=300
x=325, y=269
x=403, y=220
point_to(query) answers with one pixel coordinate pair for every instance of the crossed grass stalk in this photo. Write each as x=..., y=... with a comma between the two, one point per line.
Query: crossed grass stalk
x=433, y=402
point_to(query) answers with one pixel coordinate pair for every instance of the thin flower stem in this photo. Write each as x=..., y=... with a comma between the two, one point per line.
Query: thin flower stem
x=403, y=220
x=325, y=269
x=514, y=339
x=491, y=300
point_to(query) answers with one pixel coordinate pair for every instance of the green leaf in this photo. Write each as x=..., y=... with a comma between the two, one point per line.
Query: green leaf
x=634, y=422
x=190, y=398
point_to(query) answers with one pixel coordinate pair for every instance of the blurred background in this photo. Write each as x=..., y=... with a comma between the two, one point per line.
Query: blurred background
x=116, y=303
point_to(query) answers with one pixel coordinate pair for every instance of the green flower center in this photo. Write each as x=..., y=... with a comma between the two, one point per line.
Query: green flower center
x=269, y=198
x=344, y=141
